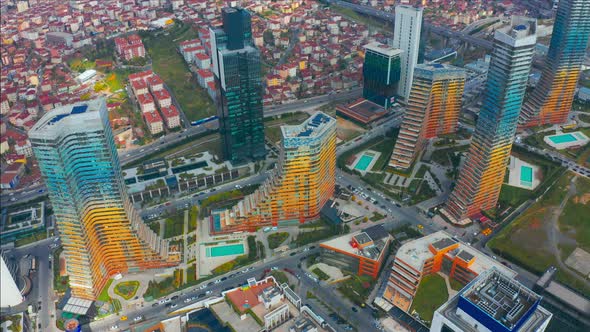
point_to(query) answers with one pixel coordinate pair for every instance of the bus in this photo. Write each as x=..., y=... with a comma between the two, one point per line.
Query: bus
x=202, y=121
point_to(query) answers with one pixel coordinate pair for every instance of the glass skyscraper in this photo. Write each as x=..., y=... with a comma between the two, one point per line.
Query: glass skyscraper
x=236, y=64
x=101, y=232
x=406, y=37
x=433, y=109
x=551, y=101
x=300, y=185
x=481, y=177
x=381, y=73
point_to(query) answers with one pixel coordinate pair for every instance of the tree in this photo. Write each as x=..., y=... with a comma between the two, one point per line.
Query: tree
x=268, y=37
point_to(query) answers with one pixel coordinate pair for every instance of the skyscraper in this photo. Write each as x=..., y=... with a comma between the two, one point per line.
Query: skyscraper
x=381, y=73
x=300, y=185
x=433, y=109
x=481, y=177
x=551, y=101
x=102, y=234
x=406, y=37
x=236, y=64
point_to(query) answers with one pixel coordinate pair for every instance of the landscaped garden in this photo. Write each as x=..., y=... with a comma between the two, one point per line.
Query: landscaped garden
x=127, y=289
x=276, y=239
x=357, y=288
x=432, y=293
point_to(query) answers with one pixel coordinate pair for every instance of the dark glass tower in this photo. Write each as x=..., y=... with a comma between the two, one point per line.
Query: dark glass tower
x=381, y=73
x=236, y=64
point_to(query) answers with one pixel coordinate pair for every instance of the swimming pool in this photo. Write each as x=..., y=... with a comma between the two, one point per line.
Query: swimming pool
x=526, y=176
x=363, y=163
x=564, y=138
x=227, y=250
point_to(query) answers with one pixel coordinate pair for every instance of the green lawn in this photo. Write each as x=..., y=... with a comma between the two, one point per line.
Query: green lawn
x=174, y=225
x=357, y=289
x=104, y=294
x=33, y=237
x=522, y=241
x=276, y=239
x=514, y=196
x=169, y=64
x=456, y=285
x=432, y=293
x=127, y=289
x=280, y=277
x=321, y=274
x=155, y=226
x=574, y=218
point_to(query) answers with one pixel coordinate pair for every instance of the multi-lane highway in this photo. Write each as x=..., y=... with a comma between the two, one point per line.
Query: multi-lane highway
x=389, y=16
x=126, y=157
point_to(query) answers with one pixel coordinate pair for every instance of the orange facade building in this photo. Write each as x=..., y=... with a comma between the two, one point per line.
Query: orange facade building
x=433, y=109
x=362, y=252
x=298, y=188
x=437, y=252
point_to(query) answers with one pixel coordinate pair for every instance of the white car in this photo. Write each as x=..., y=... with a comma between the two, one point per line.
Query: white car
x=188, y=300
x=138, y=318
x=114, y=327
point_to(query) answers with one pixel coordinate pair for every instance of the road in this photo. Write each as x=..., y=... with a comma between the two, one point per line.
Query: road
x=126, y=157
x=388, y=16
x=154, y=312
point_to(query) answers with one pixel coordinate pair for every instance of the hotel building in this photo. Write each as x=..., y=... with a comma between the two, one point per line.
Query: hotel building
x=102, y=234
x=482, y=175
x=298, y=188
x=432, y=110
x=437, y=252
x=551, y=101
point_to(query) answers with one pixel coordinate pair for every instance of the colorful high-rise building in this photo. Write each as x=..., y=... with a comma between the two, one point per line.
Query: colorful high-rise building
x=101, y=233
x=298, y=188
x=406, y=37
x=381, y=73
x=551, y=100
x=236, y=65
x=432, y=110
x=482, y=175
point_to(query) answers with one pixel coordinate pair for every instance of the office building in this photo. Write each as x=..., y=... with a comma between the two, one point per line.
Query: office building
x=482, y=175
x=551, y=101
x=299, y=186
x=236, y=64
x=406, y=37
x=432, y=110
x=361, y=252
x=436, y=252
x=381, y=73
x=102, y=234
x=495, y=302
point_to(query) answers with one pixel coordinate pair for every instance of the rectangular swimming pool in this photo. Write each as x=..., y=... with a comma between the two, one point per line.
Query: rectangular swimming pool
x=565, y=138
x=363, y=162
x=227, y=250
x=526, y=175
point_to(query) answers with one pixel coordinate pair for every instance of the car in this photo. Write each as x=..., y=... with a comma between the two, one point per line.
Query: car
x=210, y=284
x=114, y=327
x=293, y=254
x=274, y=268
x=208, y=292
x=217, y=281
x=201, y=295
x=40, y=191
x=138, y=318
x=223, y=279
x=174, y=305
x=123, y=318
x=175, y=297
x=155, y=304
x=274, y=228
x=354, y=309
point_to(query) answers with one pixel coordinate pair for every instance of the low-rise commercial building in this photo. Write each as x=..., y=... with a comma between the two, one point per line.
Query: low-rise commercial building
x=436, y=252
x=362, y=252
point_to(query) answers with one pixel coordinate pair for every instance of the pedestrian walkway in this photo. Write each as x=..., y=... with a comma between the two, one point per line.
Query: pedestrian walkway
x=450, y=290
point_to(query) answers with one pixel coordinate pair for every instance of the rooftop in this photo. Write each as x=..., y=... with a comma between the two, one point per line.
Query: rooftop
x=350, y=242
x=312, y=127
x=79, y=117
x=496, y=301
x=416, y=252
x=383, y=49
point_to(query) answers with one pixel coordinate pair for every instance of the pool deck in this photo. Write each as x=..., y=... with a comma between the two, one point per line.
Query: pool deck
x=358, y=157
x=580, y=140
x=514, y=175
